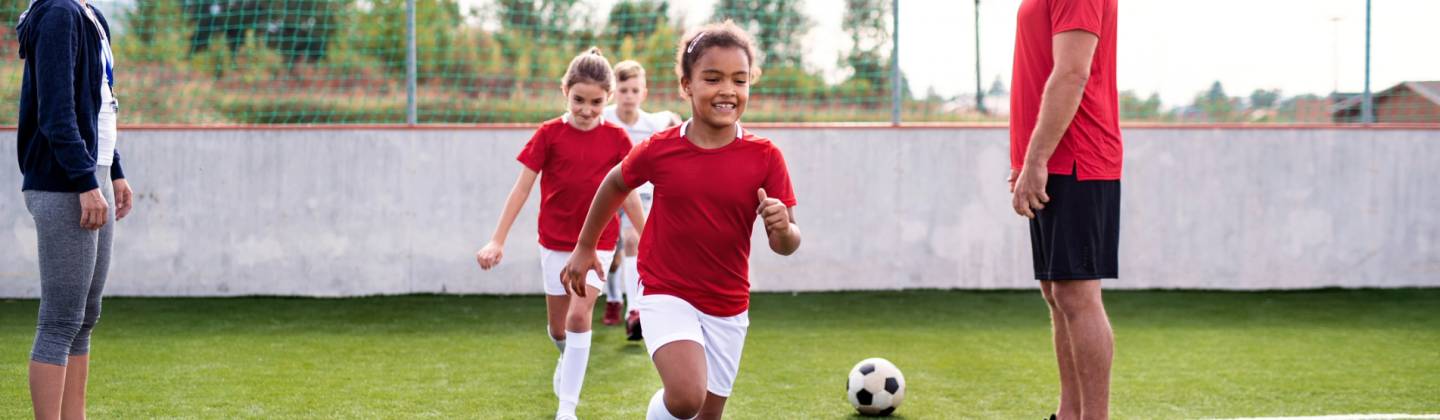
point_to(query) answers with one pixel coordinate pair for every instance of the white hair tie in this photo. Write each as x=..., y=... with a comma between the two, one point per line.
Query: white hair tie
x=693, y=42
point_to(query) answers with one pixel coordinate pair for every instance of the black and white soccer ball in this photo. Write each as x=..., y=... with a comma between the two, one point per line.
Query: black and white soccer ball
x=875, y=387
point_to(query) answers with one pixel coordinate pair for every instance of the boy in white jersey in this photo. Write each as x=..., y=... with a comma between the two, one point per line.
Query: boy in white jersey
x=626, y=113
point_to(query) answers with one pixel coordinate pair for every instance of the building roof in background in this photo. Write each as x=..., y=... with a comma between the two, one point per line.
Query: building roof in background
x=1430, y=90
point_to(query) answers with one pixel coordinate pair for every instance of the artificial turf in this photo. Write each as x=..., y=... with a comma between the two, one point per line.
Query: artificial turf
x=965, y=354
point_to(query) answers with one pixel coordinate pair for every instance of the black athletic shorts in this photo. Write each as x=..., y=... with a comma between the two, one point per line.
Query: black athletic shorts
x=1077, y=235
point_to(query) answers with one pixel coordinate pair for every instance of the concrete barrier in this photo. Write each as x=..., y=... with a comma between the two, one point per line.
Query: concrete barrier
x=345, y=212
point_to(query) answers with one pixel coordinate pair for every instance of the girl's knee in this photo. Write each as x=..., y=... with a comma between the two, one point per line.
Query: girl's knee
x=684, y=403
x=578, y=319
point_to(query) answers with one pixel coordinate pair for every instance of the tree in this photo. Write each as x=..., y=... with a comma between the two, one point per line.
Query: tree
x=778, y=25
x=381, y=33
x=219, y=17
x=997, y=88
x=1216, y=93
x=1133, y=108
x=1262, y=98
x=867, y=24
x=542, y=18
x=1152, y=105
x=299, y=30
x=10, y=11
x=1215, y=104
x=635, y=20
x=152, y=35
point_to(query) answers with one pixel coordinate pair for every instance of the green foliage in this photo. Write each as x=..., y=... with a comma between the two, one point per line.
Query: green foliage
x=10, y=12
x=381, y=32
x=1262, y=98
x=344, y=61
x=867, y=22
x=1215, y=105
x=1134, y=108
x=779, y=27
x=635, y=19
x=545, y=19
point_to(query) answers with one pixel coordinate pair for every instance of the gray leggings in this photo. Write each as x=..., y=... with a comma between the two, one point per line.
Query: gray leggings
x=73, y=265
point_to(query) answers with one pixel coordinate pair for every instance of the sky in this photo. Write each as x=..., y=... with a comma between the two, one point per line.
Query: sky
x=1174, y=47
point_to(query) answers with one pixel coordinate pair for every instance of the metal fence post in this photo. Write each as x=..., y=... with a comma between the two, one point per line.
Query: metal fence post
x=1367, y=107
x=979, y=90
x=411, y=114
x=895, y=63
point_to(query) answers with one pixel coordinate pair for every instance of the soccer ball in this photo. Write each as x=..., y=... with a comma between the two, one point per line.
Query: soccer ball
x=875, y=387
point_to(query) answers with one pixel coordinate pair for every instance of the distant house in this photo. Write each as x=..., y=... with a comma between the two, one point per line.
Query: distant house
x=1312, y=110
x=1407, y=102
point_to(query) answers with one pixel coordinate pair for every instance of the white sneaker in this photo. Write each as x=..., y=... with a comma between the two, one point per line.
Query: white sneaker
x=555, y=380
x=566, y=417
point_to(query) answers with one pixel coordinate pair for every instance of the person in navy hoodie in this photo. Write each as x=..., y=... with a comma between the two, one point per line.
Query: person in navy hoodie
x=73, y=186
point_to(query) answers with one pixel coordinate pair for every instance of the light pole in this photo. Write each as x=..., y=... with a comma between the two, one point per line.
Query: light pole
x=411, y=114
x=895, y=99
x=1335, y=55
x=1367, y=108
x=979, y=92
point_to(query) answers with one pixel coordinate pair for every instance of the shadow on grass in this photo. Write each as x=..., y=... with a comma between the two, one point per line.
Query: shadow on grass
x=862, y=416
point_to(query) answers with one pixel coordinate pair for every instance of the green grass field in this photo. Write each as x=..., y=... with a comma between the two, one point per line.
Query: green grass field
x=964, y=354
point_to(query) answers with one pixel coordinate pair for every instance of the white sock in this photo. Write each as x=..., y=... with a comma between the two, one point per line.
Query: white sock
x=572, y=370
x=614, y=286
x=631, y=269
x=657, y=409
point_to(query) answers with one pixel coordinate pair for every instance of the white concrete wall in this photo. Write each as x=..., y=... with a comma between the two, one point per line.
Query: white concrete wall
x=359, y=212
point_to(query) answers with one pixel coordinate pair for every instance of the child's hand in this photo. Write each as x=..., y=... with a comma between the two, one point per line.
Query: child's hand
x=490, y=255
x=1014, y=174
x=581, y=261
x=773, y=213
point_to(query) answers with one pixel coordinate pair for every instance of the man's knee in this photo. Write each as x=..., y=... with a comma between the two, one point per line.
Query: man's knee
x=1075, y=296
x=1048, y=292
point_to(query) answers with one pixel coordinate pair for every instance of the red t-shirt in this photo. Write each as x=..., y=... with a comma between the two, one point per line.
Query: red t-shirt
x=696, y=244
x=572, y=163
x=1091, y=146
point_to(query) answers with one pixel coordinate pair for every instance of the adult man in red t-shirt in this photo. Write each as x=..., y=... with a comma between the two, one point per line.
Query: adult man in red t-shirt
x=1065, y=159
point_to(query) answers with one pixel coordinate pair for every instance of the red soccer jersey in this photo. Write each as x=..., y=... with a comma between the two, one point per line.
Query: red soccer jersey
x=696, y=244
x=572, y=163
x=1091, y=146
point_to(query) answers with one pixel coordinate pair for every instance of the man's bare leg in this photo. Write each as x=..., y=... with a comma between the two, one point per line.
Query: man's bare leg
x=1092, y=342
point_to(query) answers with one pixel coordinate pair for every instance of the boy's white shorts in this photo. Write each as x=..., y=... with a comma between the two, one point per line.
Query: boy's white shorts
x=666, y=319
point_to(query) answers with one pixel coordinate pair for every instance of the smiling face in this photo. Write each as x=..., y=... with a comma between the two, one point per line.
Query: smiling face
x=719, y=86
x=631, y=93
x=586, y=103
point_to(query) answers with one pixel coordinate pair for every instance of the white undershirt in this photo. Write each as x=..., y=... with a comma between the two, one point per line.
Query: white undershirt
x=646, y=125
x=109, y=107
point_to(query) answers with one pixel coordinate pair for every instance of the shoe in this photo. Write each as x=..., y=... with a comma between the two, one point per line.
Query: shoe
x=632, y=327
x=612, y=313
x=565, y=417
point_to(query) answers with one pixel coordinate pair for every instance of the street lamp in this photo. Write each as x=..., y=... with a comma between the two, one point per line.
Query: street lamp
x=979, y=92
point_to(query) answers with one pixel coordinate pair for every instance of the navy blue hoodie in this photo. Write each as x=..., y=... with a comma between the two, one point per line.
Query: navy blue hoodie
x=60, y=98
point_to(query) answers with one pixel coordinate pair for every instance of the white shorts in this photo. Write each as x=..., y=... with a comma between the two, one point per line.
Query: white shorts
x=667, y=319
x=647, y=197
x=552, y=262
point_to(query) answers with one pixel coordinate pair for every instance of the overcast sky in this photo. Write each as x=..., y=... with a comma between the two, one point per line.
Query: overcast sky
x=1173, y=47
